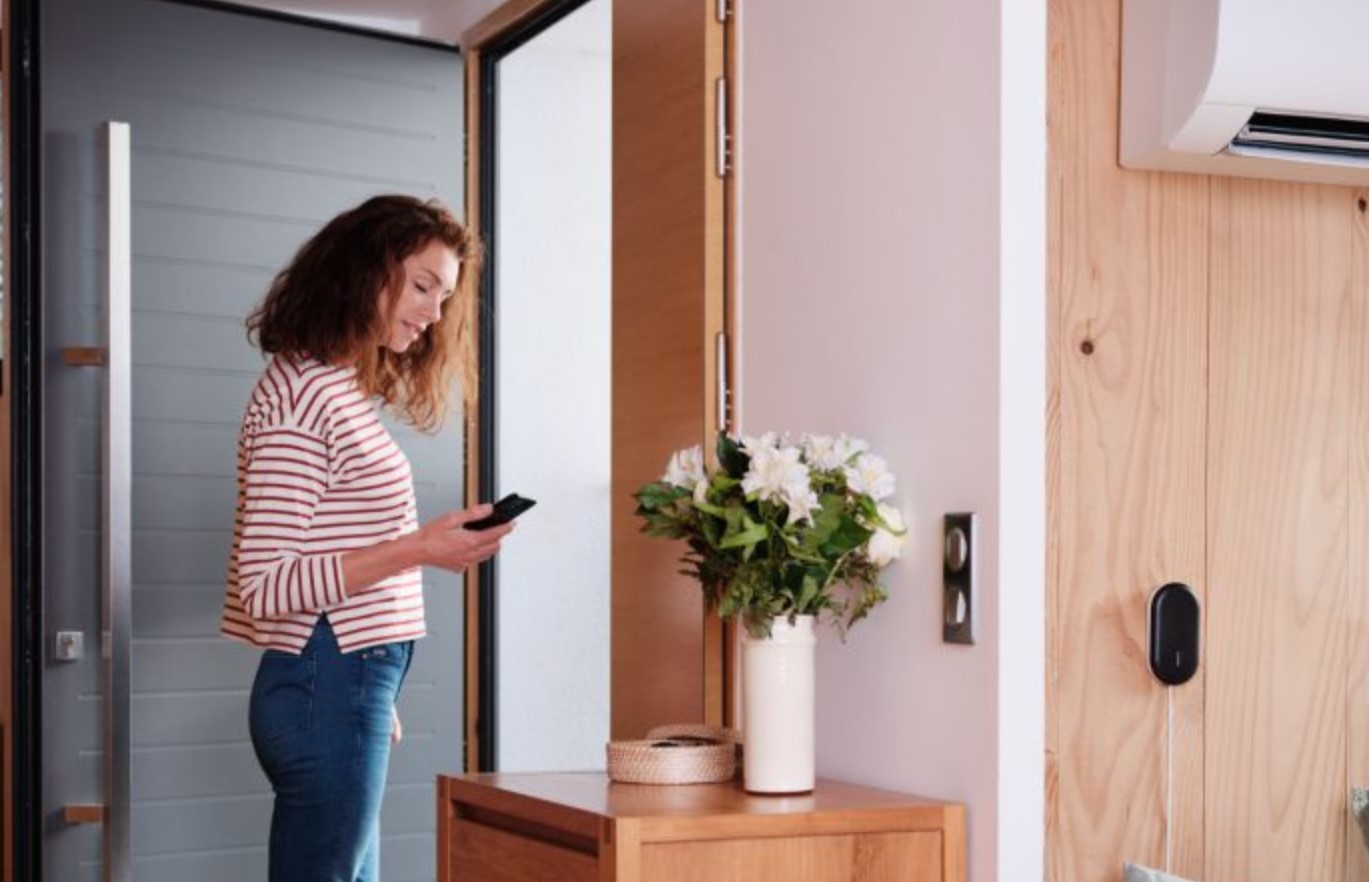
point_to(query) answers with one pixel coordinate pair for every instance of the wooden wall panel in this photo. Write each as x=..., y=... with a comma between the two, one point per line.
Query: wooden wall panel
x=1282, y=359
x=1206, y=394
x=1357, y=684
x=668, y=290
x=1127, y=268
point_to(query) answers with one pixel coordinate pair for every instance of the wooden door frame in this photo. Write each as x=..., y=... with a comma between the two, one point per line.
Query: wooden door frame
x=719, y=643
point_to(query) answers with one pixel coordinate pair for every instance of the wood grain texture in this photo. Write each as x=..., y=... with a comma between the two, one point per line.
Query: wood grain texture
x=840, y=832
x=872, y=857
x=1283, y=351
x=572, y=800
x=503, y=18
x=471, y=606
x=1357, y=684
x=716, y=263
x=1127, y=273
x=727, y=633
x=666, y=269
x=487, y=854
x=84, y=356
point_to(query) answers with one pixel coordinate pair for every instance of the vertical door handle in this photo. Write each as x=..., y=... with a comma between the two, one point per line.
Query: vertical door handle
x=118, y=506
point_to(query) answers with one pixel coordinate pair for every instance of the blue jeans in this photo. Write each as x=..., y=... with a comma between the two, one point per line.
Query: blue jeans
x=320, y=724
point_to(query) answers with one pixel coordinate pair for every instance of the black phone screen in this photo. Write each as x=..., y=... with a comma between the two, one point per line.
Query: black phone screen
x=505, y=511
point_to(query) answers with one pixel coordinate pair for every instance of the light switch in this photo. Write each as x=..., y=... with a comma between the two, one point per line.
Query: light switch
x=958, y=578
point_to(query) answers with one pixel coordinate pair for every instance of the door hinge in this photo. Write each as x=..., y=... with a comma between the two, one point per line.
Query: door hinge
x=723, y=146
x=724, y=10
x=723, y=396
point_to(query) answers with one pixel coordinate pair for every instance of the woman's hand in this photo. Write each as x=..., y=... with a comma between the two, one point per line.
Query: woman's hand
x=439, y=543
x=444, y=543
x=397, y=730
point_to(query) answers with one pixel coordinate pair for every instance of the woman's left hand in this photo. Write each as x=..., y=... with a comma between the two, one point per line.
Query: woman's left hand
x=397, y=731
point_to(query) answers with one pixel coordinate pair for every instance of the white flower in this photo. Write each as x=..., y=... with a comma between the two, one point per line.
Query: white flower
x=821, y=452
x=884, y=546
x=802, y=503
x=846, y=447
x=686, y=468
x=752, y=445
x=772, y=471
x=871, y=476
x=701, y=489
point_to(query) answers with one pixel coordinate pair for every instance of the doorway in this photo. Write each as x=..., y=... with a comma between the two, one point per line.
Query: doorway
x=245, y=135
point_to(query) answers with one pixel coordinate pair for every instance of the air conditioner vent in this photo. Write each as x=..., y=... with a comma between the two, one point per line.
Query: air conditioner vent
x=1304, y=134
x=1255, y=88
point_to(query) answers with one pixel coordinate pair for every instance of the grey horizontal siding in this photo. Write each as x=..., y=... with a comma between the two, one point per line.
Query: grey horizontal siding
x=247, y=134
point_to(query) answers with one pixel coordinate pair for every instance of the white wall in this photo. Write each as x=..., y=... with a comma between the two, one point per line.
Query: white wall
x=892, y=286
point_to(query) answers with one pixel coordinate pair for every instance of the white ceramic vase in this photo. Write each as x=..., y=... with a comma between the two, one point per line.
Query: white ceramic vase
x=777, y=708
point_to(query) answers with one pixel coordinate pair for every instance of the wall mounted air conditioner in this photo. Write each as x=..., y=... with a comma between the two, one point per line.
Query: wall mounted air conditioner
x=1257, y=88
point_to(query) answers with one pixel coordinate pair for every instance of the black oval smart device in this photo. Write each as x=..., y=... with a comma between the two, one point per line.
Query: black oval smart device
x=1174, y=633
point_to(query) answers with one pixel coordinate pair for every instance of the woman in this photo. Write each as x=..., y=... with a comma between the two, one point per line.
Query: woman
x=325, y=568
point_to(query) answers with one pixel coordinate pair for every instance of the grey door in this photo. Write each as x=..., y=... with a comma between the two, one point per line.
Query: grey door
x=246, y=135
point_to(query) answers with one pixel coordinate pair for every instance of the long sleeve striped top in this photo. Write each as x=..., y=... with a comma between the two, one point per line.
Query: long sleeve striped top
x=318, y=475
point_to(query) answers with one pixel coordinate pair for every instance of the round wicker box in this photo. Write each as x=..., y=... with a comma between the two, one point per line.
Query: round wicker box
x=678, y=754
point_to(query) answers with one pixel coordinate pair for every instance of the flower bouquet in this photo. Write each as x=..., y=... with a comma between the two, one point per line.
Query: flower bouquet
x=779, y=528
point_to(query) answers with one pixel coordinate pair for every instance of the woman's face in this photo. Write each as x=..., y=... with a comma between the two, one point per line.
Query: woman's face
x=430, y=278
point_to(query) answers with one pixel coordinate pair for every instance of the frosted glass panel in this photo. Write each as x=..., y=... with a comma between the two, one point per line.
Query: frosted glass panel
x=552, y=375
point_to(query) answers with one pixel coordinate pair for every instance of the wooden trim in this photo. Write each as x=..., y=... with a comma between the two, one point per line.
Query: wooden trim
x=504, y=18
x=954, y=843
x=83, y=814
x=471, y=415
x=732, y=283
x=720, y=643
x=444, y=838
x=1358, y=567
x=83, y=356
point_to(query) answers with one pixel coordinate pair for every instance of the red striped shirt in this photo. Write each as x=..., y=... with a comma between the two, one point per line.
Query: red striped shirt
x=318, y=475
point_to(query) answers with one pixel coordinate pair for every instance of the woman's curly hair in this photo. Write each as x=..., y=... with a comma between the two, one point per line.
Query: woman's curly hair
x=325, y=305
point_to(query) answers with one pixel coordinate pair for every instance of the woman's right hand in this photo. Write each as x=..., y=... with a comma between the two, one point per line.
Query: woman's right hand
x=444, y=543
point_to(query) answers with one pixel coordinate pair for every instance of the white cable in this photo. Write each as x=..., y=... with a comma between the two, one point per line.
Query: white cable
x=1169, y=768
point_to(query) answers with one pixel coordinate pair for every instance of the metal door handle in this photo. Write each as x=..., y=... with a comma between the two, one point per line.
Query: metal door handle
x=118, y=507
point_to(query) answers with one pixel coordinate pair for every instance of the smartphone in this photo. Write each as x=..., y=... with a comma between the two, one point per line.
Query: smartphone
x=505, y=511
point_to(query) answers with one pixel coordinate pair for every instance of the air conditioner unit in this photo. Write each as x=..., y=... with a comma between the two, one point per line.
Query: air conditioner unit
x=1257, y=88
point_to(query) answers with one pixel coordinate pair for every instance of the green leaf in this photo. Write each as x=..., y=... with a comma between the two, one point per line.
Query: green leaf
x=659, y=494
x=731, y=457
x=808, y=592
x=664, y=526
x=712, y=528
x=717, y=511
x=825, y=521
x=750, y=533
x=849, y=535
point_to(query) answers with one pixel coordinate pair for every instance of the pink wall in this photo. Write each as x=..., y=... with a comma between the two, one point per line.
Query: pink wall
x=873, y=280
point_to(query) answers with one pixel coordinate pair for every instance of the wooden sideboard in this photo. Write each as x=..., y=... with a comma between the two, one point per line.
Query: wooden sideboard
x=583, y=828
